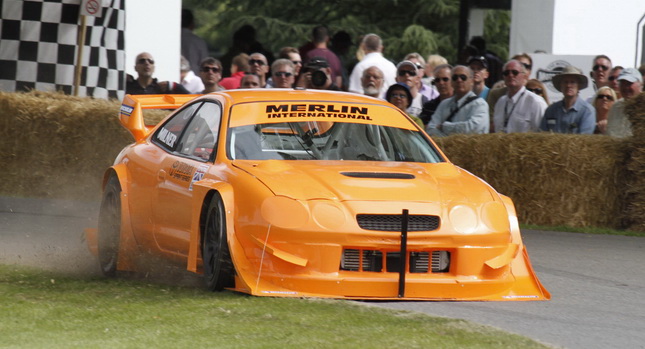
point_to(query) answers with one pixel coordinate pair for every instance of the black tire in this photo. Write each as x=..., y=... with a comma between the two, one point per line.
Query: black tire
x=218, y=266
x=109, y=233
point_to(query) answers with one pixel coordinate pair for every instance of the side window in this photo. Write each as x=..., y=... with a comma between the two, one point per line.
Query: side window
x=200, y=136
x=168, y=135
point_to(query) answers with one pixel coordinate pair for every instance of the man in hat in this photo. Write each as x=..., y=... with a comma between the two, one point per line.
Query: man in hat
x=479, y=66
x=316, y=74
x=408, y=73
x=518, y=110
x=462, y=113
x=630, y=83
x=572, y=114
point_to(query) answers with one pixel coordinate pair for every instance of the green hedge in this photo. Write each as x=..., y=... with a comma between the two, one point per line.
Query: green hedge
x=58, y=146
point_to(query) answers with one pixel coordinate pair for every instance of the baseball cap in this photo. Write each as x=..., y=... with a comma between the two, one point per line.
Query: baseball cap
x=480, y=59
x=404, y=63
x=631, y=75
x=317, y=63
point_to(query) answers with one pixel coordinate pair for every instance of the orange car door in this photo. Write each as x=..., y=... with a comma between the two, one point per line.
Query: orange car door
x=189, y=162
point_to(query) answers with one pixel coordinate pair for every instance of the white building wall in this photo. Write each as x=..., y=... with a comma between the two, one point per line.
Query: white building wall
x=578, y=27
x=154, y=26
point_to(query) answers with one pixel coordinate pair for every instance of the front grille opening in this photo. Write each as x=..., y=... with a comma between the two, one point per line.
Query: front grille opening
x=377, y=261
x=392, y=222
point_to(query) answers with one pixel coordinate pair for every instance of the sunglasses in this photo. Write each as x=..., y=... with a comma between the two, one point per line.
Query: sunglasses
x=399, y=95
x=600, y=67
x=438, y=80
x=284, y=74
x=144, y=60
x=407, y=72
x=537, y=90
x=297, y=62
x=509, y=72
x=456, y=77
x=612, y=78
x=527, y=66
x=607, y=97
x=207, y=69
x=256, y=61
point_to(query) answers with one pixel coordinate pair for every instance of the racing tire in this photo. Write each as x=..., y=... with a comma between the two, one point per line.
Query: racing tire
x=109, y=232
x=218, y=266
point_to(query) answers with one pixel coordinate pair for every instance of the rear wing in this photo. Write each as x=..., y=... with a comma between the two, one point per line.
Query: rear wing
x=131, y=113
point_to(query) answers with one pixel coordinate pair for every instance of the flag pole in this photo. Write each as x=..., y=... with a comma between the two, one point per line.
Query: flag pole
x=79, y=58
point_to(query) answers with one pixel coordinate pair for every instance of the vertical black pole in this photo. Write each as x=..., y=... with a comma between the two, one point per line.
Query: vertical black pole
x=404, y=253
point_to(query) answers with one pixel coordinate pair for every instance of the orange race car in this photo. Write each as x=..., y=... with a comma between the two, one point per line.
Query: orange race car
x=296, y=193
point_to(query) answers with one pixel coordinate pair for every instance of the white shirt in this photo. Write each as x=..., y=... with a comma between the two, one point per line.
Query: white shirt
x=375, y=59
x=618, y=124
x=416, y=106
x=521, y=113
x=193, y=83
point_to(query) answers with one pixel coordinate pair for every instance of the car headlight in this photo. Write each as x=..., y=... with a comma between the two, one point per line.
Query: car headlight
x=285, y=212
x=463, y=218
x=495, y=217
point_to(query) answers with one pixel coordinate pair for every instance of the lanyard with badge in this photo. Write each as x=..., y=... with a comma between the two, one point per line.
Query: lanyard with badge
x=507, y=114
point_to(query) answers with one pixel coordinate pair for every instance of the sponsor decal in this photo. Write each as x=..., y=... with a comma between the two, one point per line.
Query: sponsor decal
x=181, y=171
x=166, y=137
x=199, y=175
x=317, y=111
x=126, y=109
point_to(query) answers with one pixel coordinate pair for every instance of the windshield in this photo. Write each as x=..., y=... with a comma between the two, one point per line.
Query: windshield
x=326, y=140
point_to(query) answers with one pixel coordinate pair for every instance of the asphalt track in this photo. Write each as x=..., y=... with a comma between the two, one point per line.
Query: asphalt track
x=597, y=282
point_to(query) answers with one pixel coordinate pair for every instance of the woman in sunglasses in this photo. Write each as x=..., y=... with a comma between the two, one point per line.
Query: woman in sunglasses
x=604, y=98
x=536, y=86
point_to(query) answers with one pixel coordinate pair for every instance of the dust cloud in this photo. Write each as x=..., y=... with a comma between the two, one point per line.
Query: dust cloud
x=49, y=235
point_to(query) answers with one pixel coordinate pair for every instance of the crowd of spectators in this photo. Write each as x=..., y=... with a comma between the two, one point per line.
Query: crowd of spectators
x=480, y=94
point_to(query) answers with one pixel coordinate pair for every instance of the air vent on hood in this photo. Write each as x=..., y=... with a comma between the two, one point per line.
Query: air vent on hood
x=388, y=175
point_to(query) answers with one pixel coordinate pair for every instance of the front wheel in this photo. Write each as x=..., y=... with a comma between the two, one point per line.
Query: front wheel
x=109, y=232
x=218, y=266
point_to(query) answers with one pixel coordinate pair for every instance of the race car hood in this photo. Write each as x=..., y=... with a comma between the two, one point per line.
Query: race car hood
x=368, y=181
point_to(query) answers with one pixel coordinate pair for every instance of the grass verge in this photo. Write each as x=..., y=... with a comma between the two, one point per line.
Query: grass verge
x=44, y=309
x=586, y=230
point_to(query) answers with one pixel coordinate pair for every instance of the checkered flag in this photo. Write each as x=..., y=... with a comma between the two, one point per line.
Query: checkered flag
x=38, y=47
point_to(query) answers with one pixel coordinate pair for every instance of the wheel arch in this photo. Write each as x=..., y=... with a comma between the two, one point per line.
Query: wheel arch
x=203, y=193
x=128, y=247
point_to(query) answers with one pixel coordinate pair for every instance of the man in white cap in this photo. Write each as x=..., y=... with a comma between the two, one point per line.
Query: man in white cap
x=630, y=83
x=407, y=73
x=572, y=114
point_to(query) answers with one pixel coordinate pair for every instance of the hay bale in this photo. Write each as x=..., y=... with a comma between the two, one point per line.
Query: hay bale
x=635, y=186
x=554, y=179
x=57, y=146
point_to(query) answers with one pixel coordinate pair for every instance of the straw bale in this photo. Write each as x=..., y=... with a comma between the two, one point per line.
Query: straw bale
x=56, y=145
x=553, y=179
x=635, y=188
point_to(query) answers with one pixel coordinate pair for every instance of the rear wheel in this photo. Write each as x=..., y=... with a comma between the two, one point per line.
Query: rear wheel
x=218, y=267
x=110, y=227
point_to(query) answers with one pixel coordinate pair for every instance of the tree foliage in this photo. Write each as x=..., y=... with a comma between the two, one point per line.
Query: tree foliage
x=423, y=26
